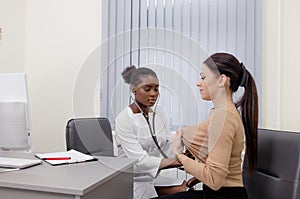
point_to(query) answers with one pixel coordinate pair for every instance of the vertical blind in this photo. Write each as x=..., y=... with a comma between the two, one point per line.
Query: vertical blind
x=173, y=37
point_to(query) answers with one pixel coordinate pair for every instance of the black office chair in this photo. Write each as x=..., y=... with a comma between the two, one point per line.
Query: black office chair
x=278, y=173
x=90, y=136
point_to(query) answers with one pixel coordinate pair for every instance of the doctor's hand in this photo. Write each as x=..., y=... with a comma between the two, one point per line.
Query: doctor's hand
x=192, y=182
x=177, y=145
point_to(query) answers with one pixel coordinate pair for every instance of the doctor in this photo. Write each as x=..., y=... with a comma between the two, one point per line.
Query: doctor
x=142, y=133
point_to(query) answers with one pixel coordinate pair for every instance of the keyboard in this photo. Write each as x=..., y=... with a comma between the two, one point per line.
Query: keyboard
x=19, y=163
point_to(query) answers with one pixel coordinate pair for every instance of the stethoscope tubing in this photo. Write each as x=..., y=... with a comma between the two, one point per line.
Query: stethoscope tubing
x=153, y=134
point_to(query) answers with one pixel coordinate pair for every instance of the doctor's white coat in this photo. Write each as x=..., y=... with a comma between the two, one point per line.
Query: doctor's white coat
x=134, y=140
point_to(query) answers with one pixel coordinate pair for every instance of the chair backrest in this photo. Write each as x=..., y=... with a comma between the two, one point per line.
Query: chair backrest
x=90, y=136
x=278, y=173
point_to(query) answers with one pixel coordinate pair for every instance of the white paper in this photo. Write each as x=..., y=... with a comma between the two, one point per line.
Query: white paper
x=162, y=181
x=75, y=156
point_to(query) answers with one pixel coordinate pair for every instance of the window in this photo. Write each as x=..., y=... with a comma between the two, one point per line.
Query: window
x=173, y=37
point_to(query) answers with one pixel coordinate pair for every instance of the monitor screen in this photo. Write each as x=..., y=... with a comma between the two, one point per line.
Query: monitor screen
x=14, y=128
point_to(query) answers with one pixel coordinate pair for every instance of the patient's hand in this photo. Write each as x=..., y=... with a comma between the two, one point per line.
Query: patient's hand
x=177, y=145
x=192, y=182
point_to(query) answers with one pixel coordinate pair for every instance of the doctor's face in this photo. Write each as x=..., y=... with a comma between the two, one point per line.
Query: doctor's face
x=147, y=91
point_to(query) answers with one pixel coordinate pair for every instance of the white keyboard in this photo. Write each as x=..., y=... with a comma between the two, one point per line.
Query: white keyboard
x=18, y=162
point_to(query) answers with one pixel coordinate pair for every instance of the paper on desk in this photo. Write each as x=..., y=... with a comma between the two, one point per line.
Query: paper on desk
x=75, y=156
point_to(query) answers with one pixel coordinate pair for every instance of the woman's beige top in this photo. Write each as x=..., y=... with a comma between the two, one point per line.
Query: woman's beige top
x=217, y=144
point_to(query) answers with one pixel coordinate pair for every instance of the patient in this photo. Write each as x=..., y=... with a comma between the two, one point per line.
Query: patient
x=217, y=143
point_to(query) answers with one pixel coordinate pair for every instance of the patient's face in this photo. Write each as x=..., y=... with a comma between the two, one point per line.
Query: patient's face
x=147, y=91
x=207, y=83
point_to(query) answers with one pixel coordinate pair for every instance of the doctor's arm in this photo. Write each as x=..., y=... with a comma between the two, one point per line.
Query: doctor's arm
x=170, y=162
x=167, y=163
x=126, y=136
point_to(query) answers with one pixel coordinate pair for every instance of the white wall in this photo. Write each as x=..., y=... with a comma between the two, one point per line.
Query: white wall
x=291, y=65
x=50, y=39
x=280, y=63
x=12, y=22
x=60, y=35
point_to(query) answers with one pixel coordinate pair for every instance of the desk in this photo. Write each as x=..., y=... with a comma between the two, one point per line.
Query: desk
x=108, y=177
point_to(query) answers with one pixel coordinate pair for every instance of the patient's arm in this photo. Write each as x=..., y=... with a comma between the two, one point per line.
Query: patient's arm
x=193, y=181
x=167, y=163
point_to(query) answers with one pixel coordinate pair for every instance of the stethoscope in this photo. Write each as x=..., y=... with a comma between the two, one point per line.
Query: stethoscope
x=152, y=130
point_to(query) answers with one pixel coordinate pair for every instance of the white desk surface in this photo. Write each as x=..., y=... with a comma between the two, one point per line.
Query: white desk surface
x=75, y=179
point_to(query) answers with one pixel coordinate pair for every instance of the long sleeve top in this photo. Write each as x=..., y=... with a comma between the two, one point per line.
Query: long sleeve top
x=217, y=144
x=134, y=140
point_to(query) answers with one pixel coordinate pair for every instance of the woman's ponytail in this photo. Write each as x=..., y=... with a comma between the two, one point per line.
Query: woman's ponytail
x=249, y=112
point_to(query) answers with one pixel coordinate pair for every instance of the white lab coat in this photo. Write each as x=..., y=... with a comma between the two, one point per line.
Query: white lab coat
x=134, y=140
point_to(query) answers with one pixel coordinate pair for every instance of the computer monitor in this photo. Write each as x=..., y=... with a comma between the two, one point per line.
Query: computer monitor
x=14, y=113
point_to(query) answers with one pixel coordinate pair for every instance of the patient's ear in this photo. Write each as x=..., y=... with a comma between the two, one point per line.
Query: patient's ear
x=223, y=79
